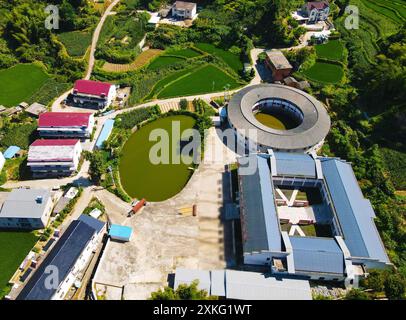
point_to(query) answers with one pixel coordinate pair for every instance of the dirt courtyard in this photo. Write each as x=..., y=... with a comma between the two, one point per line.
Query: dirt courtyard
x=164, y=239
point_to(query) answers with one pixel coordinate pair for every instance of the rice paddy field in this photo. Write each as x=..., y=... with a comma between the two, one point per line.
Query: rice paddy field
x=20, y=82
x=14, y=246
x=186, y=53
x=141, y=178
x=325, y=72
x=204, y=80
x=76, y=42
x=231, y=59
x=332, y=50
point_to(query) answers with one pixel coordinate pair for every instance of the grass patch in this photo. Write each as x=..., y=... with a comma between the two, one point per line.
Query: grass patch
x=49, y=91
x=14, y=246
x=142, y=179
x=325, y=72
x=163, y=61
x=231, y=59
x=20, y=82
x=332, y=50
x=204, y=80
x=19, y=134
x=186, y=53
x=76, y=42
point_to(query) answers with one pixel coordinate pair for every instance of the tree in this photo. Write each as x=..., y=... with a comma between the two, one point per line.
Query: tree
x=394, y=287
x=183, y=292
x=97, y=166
x=356, y=294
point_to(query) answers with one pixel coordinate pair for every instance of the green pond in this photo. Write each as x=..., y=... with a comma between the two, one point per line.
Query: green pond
x=140, y=177
x=275, y=121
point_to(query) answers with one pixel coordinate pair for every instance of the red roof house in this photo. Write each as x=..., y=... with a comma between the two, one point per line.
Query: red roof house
x=93, y=94
x=66, y=125
x=90, y=87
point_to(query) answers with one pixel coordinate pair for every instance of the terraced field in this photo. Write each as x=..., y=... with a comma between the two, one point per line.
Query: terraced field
x=325, y=72
x=204, y=80
x=142, y=59
x=231, y=59
x=332, y=50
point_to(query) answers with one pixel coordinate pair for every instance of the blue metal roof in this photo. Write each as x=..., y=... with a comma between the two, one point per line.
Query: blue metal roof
x=260, y=220
x=295, y=164
x=120, y=231
x=63, y=256
x=11, y=152
x=354, y=212
x=92, y=222
x=105, y=133
x=317, y=255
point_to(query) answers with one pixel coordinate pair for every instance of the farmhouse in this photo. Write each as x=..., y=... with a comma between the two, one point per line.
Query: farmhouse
x=278, y=64
x=36, y=109
x=304, y=215
x=69, y=256
x=316, y=11
x=93, y=94
x=26, y=209
x=54, y=157
x=184, y=10
x=66, y=125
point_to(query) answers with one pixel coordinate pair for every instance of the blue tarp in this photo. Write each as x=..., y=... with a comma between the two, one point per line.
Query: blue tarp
x=120, y=232
x=11, y=152
x=105, y=133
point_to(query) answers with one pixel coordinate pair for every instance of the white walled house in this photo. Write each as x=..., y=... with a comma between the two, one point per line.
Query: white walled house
x=93, y=94
x=66, y=125
x=184, y=10
x=70, y=256
x=26, y=209
x=54, y=157
x=317, y=11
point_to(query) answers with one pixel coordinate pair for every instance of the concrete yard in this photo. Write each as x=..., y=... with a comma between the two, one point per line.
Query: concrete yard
x=164, y=239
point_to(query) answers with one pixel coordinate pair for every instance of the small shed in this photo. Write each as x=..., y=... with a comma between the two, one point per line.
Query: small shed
x=11, y=152
x=138, y=206
x=36, y=109
x=2, y=108
x=23, y=105
x=120, y=233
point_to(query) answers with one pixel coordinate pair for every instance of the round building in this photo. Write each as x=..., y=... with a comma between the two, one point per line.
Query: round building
x=279, y=117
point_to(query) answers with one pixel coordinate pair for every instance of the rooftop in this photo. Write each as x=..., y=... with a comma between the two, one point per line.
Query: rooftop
x=313, y=129
x=278, y=59
x=183, y=5
x=25, y=203
x=90, y=87
x=11, y=152
x=36, y=108
x=92, y=222
x=120, y=231
x=319, y=5
x=52, y=150
x=63, y=256
x=64, y=119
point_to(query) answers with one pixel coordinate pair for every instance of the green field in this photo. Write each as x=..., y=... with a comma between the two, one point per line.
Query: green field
x=14, y=246
x=76, y=42
x=395, y=10
x=332, y=50
x=231, y=59
x=204, y=80
x=325, y=72
x=186, y=53
x=163, y=61
x=142, y=179
x=20, y=82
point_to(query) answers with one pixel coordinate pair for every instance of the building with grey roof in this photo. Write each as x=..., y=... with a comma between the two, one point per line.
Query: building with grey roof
x=244, y=285
x=328, y=234
x=68, y=257
x=310, y=118
x=26, y=209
